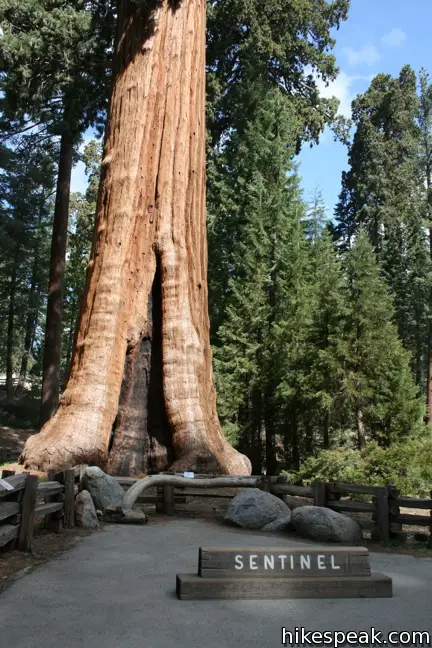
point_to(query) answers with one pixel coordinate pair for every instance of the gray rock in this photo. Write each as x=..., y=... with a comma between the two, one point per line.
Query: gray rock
x=325, y=525
x=254, y=508
x=280, y=524
x=104, y=489
x=85, y=512
x=125, y=516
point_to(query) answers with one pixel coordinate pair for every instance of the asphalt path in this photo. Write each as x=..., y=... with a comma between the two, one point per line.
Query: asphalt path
x=116, y=589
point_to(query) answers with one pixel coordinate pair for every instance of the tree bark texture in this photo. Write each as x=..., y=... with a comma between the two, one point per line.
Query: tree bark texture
x=53, y=329
x=140, y=391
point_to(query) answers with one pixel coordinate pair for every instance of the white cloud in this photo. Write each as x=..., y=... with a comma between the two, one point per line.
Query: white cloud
x=368, y=54
x=339, y=88
x=394, y=38
x=342, y=89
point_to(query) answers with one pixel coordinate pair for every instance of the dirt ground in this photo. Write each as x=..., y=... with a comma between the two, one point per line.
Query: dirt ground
x=46, y=545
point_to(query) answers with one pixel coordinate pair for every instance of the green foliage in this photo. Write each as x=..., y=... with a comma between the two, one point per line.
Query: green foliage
x=384, y=192
x=324, y=371
x=82, y=219
x=26, y=185
x=277, y=43
x=378, y=380
x=54, y=62
x=265, y=199
x=407, y=465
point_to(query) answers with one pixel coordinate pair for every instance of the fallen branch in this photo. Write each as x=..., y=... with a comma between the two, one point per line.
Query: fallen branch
x=141, y=485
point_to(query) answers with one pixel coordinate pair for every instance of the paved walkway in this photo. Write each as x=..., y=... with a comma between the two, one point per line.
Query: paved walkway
x=116, y=589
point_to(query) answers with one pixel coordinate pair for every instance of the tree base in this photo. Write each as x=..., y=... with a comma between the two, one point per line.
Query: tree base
x=49, y=451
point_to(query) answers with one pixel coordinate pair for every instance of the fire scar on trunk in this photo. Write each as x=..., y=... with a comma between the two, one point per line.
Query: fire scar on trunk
x=140, y=395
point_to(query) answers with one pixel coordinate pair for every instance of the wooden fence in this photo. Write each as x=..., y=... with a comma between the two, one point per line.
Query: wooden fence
x=24, y=499
x=380, y=514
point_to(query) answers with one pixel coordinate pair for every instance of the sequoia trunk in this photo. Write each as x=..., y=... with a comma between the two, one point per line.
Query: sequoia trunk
x=53, y=332
x=141, y=389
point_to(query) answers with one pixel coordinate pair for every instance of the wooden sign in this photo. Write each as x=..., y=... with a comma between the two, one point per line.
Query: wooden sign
x=277, y=562
x=191, y=586
x=276, y=572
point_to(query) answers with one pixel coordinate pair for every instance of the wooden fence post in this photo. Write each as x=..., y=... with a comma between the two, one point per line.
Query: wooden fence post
x=382, y=530
x=69, y=501
x=319, y=493
x=160, y=499
x=168, y=501
x=7, y=473
x=27, y=513
x=394, y=511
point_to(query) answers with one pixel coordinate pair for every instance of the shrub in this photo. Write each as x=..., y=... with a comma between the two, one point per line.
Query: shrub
x=407, y=465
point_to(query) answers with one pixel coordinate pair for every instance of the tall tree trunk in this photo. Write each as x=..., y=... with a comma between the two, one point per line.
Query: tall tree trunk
x=151, y=214
x=309, y=439
x=361, y=436
x=30, y=323
x=10, y=328
x=32, y=312
x=326, y=430
x=254, y=451
x=270, y=434
x=53, y=330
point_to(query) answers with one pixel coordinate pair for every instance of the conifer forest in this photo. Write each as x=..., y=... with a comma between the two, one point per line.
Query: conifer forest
x=193, y=308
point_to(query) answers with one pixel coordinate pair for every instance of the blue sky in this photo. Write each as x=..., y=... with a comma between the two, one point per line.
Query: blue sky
x=379, y=36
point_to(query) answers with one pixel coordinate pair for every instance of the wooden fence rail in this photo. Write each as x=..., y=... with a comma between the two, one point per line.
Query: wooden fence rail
x=24, y=499
x=380, y=514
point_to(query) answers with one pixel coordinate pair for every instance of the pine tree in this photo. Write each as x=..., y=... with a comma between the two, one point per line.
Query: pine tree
x=270, y=43
x=379, y=389
x=56, y=74
x=383, y=192
x=266, y=276
x=83, y=211
x=26, y=184
x=315, y=220
x=323, y=394
x=425, y=127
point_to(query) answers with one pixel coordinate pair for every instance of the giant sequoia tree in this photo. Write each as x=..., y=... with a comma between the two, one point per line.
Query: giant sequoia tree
x=140, y=395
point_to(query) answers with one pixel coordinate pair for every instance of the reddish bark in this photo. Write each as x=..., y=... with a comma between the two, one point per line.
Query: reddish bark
x=138, y=387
